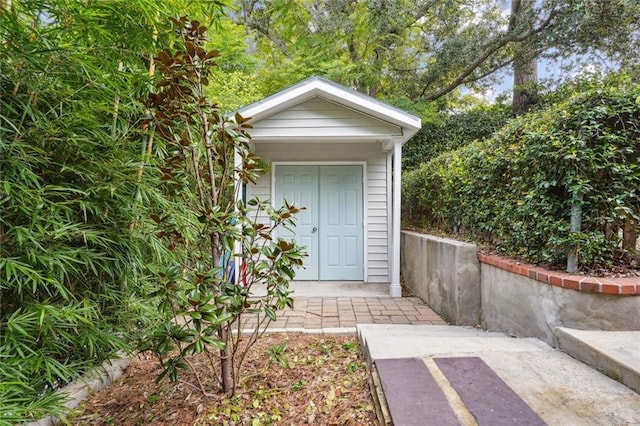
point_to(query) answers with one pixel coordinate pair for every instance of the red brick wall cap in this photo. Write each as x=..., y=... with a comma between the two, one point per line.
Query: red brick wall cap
x=586, y=284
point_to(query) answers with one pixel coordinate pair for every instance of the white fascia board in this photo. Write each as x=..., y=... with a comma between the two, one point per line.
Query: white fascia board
x=388, y=144
x=276, y=103
x=373, y=107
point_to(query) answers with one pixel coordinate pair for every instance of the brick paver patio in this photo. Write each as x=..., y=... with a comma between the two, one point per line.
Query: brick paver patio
x=346, y=312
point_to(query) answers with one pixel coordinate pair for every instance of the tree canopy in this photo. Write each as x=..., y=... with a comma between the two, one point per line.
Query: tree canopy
x=426, y=49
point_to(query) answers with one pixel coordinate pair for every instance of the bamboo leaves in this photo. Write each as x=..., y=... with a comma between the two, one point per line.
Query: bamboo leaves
x=71, y=270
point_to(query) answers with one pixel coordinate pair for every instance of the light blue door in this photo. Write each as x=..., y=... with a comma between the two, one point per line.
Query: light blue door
x=299, y=185
x=341, y=223
x=331, y=226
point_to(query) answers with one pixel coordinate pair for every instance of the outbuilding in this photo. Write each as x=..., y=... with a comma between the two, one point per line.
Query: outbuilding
x=337, y=153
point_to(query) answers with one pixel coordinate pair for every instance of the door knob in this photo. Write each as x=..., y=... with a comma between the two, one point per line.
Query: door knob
x=314, y=229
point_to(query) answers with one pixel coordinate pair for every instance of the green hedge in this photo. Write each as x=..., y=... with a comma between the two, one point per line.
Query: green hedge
x=453, y=131
x=515, y=190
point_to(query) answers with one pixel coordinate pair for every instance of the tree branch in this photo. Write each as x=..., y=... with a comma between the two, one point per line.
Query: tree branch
x=423, y=11
x=246, y=18
x=265, y=32
x=488, y=52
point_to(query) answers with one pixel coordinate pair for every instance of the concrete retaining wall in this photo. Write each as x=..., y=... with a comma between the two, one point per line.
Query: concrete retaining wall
x=529, y=308
x=447, y=275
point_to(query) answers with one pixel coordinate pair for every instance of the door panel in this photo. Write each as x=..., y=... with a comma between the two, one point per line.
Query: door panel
x=341, y=230
x=333, y=201
x=299, y=185
x=351, y=250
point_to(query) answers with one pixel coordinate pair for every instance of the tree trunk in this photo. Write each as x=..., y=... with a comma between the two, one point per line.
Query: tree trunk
x=630, y=234
x=576, y=225
x=525, y=65
x=225, y=362
x=525, y=77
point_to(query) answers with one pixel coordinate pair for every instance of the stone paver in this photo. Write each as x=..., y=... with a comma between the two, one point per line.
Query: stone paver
x=313, y=313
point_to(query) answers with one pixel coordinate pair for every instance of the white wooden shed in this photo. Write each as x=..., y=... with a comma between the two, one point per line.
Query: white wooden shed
x=338, y=153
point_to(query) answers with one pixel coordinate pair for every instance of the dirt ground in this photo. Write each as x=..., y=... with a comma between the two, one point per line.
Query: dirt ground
x=291, y=379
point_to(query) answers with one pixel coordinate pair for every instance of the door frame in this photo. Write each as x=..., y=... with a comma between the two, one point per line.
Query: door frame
x=365, y=184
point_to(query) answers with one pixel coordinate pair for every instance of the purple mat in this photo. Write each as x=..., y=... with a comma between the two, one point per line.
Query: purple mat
x=491, y=401
x=413, y=396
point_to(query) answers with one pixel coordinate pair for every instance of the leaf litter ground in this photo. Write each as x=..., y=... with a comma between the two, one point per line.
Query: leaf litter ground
x=290, y=379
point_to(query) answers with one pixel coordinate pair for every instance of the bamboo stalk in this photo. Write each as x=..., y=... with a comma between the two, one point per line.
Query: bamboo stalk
x=147, y=144
x=116, y=105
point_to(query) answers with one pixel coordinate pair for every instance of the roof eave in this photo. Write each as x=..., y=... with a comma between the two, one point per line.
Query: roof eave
x=319, y=87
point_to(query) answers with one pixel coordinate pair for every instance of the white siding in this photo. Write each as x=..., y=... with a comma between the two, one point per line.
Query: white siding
x=320, y=118
x=261, y=190
x=376, y=244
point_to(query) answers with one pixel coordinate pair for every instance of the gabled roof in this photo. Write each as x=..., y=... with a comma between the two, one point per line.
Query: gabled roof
x=317, y=87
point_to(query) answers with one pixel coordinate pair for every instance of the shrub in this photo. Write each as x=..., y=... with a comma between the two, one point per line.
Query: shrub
x=516, y=190
x=451, y=132
x=202, y=302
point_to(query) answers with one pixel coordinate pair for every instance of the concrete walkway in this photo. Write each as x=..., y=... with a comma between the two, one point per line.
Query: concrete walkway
x=481, y=378
x=327, y=306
